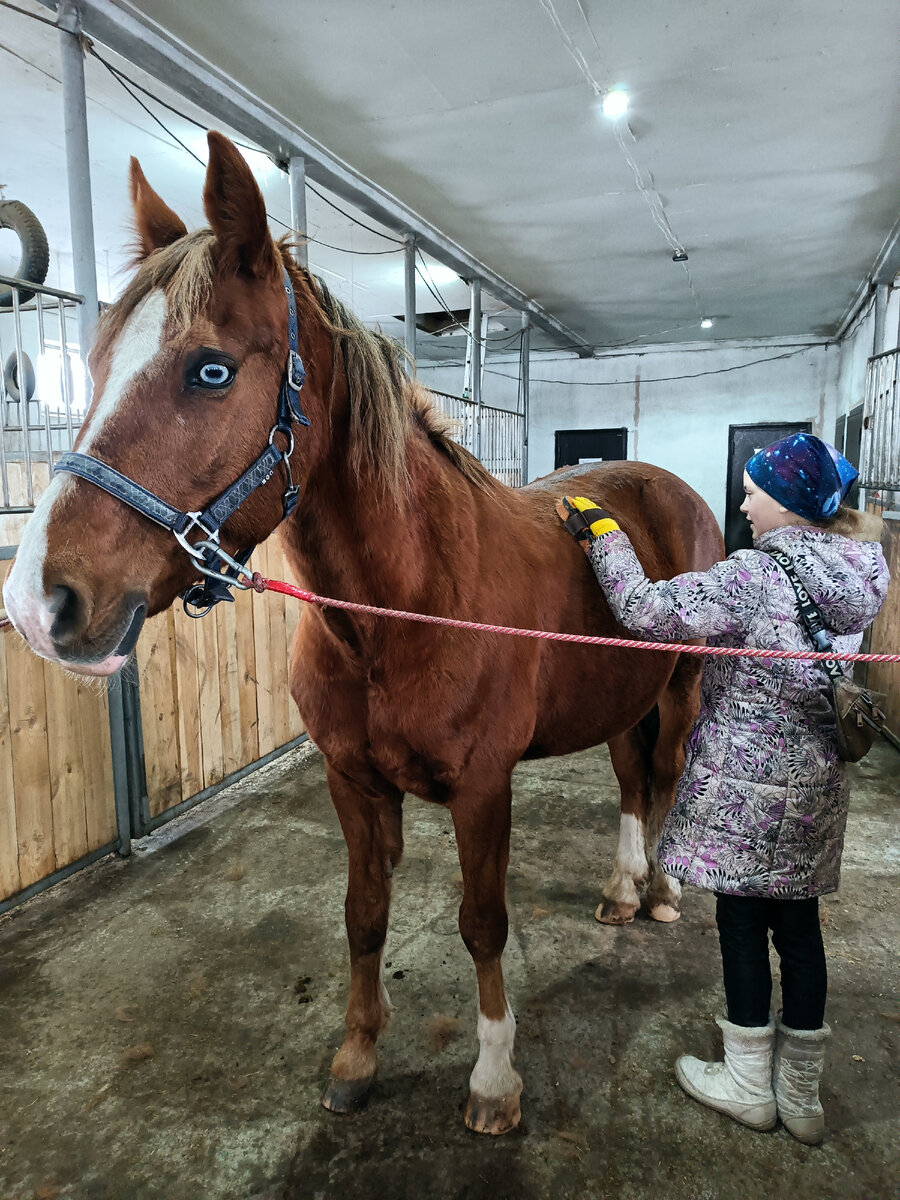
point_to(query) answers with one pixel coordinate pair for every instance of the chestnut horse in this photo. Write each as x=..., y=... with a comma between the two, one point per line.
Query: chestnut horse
x=187, y=367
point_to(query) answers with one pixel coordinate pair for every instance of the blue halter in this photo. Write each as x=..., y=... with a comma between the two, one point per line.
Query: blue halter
x=222, y=571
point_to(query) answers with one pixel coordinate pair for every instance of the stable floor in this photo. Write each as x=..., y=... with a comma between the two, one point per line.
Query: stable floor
x=168, y=1021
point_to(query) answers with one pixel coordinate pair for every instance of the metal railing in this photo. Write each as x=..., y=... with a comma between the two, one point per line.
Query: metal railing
x=41, y=387
x=880, y=449
x=502, y=434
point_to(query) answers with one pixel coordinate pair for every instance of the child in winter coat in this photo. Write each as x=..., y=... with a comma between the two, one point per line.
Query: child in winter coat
x=760, y=809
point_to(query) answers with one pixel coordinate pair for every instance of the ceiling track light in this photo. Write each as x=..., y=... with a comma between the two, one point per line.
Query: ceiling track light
x=615, y=103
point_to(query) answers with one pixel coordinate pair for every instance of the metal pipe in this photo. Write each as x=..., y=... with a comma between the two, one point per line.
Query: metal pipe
x=66, y=373
x=78, y=169
x=139, y=40
x=525, y=375
x=475, y=335
x=881, y=299
x=297, y=178
x=22, y=380
x=409, y=310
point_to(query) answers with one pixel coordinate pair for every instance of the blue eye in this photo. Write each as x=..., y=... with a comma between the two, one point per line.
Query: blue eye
x=215, y=375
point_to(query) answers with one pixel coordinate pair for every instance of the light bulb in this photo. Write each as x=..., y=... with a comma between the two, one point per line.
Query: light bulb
x=706, y=323
x=615, y=103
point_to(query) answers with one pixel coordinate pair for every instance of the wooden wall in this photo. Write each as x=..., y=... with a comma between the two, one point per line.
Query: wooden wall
x=885, y=635
x=56, y=783
x=214, y=698
x=214, y=692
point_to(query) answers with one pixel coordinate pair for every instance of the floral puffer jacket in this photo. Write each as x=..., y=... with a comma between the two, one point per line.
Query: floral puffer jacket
x=761, y=807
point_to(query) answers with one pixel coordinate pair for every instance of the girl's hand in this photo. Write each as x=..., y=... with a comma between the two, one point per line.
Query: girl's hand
x=584, y=520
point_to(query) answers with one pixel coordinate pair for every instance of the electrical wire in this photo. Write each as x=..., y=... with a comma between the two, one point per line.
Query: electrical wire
x=128, y=84
x=25, y=13
x=485, y=343
x=662, y=378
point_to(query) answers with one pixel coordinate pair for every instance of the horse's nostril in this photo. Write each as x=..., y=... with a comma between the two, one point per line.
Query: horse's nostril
x=68, y=610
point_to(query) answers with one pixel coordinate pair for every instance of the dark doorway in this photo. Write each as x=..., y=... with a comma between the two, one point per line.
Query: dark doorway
x=743, y=442
x=851, y=428
x=574, y=446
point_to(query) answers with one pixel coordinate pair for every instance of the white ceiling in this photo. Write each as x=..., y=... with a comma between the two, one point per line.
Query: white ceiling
x=767, y=132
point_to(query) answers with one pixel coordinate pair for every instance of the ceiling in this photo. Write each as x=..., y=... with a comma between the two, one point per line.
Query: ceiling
x=761, y=137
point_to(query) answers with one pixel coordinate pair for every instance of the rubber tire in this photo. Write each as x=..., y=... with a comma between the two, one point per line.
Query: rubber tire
x=35, y=260
x=11, y=377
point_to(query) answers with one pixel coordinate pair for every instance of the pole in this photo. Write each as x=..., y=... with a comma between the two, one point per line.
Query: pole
x=475, y=327
x=525, y=375
x=297, y=179
x=409, y=310
x=78, y=170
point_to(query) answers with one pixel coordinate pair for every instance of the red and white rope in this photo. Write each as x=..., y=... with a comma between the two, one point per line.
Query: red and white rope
x=261, y=584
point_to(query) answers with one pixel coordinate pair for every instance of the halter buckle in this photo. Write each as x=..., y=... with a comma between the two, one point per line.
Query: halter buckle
x=296, y=372
x=198, y=550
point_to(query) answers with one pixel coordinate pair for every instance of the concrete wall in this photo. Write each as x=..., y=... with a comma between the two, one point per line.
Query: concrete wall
x=677, y=423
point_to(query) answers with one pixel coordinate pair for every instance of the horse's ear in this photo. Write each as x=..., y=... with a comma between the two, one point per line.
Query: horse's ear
x=156, y=224
x=236, y=211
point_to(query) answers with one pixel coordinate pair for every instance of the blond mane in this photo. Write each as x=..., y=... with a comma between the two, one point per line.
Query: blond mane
x=386, y=406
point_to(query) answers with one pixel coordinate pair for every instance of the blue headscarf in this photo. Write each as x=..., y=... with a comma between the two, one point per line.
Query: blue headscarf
x=805, y=474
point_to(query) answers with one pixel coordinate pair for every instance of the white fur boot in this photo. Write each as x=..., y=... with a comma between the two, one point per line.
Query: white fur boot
x=741, y=1086
x=799, y=1057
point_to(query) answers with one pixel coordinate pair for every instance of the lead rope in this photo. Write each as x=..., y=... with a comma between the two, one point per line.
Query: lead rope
x=260, y=584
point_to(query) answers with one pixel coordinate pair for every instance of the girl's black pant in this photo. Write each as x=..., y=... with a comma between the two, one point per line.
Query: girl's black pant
x=744, y=923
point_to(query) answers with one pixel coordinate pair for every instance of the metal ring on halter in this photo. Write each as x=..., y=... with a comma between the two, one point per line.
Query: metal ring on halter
x=288, y=433
x=239, y=569
x=196, y=549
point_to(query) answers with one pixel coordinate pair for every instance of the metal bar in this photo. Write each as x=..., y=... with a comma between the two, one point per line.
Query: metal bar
x=177, y=809
x=66, y=373
x=409, y=307
x=119, y=746
x=14, y=281
x=525, y=375
x=78, y=169
x=121, y=25
x=57, y=877
x=475, y=335
x=297, y=179
x=138, y=800
x=23, y=399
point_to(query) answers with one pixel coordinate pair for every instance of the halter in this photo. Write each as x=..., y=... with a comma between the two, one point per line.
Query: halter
x=222, y=571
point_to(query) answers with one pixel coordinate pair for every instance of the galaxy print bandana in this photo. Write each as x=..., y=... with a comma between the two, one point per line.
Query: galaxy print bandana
x=805, y=474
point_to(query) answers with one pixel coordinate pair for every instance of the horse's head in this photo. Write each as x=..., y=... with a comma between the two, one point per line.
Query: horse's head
x=187, y=367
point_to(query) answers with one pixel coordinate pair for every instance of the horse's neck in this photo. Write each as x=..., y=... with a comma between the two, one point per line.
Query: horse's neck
x=354, y=538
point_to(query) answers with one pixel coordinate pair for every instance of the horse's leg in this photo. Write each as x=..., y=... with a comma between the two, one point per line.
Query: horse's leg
x=482, y=822
x=678, y=706
x=630, y=753
x=370, y=813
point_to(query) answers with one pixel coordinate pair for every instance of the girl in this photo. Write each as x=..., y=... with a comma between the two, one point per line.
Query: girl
x=761, y=806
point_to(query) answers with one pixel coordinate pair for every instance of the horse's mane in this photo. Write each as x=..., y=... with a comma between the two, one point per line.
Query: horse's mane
x=386, y=406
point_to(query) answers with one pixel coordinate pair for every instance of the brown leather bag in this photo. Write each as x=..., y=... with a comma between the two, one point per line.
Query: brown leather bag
x=859, y=712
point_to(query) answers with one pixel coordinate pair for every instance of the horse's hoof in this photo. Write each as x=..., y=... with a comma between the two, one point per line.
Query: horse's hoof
x=614, y=912
x=493, y=1116
x=346, y=1095
x=664, y=912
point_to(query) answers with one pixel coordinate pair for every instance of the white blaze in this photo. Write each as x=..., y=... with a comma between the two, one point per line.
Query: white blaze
x=23, y=595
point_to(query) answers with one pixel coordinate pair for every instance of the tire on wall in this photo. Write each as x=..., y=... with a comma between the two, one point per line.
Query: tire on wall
x=35, y=258
x=11, y=377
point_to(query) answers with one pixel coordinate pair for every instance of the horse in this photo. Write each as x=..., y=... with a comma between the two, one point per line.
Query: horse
x=375, y=502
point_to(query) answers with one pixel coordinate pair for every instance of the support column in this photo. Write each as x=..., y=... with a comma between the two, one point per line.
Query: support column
x=409, y=309
x=475, y=334
x=78, y=170
x=297, y=179
x=525, y=376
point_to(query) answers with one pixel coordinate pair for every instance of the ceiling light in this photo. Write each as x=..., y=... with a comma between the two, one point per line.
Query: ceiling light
x=615, y=102
x=706, y=323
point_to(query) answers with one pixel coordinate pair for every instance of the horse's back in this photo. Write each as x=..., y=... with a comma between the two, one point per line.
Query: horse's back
x=671, y=526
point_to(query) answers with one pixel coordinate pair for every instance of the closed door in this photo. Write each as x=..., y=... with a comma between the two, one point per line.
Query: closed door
x=743, y=443
x=574, y=446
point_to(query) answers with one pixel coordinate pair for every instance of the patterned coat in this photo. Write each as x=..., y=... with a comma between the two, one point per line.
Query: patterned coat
x=761, y=806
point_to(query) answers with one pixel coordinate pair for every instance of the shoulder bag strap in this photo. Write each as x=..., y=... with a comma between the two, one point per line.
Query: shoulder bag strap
x=809, y=613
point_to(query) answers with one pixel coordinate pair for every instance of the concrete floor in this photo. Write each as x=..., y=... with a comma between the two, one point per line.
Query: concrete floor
x=168, y=1022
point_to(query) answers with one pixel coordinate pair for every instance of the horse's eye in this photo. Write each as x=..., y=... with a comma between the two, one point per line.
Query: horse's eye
x=214, y=375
